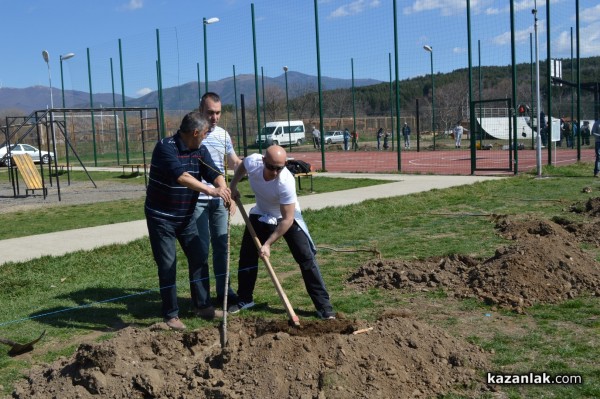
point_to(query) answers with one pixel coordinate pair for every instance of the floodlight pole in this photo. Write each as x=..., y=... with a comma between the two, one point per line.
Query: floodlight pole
x=538, y=152
x=429, y=49
x=287, y=105
x=46, y=57
x=204, y=23
x=65, y=57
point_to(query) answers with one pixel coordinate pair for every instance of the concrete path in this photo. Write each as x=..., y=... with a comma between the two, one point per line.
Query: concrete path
x=63, y=242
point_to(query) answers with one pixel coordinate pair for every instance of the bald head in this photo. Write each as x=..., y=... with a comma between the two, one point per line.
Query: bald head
x=274, y=161
x=275, y=155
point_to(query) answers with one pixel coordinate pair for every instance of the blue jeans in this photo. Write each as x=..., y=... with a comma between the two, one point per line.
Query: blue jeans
x=163, y=236
x=597, y=163
x=211, y=220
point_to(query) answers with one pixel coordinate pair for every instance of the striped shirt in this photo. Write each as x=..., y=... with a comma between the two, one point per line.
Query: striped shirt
x=166, y=199
x=218, y=143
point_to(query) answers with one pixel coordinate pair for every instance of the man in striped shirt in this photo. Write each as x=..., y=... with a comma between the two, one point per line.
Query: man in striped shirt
x=177, y=168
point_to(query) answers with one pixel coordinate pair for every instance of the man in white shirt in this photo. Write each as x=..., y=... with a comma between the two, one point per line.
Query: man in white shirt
x=316, y=138
x=458, y=132
x=276, y=214
x=211, y=214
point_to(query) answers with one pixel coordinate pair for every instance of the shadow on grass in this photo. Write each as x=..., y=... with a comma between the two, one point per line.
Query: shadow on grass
x=129, y=176
x=106, y=309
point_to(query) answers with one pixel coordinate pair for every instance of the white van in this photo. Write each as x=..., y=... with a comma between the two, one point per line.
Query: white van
x=282, y=133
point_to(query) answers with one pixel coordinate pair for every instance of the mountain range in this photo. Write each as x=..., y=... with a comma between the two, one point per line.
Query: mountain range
x=25, y=100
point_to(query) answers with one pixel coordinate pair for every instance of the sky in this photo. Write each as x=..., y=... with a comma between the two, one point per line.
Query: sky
x=356, y=38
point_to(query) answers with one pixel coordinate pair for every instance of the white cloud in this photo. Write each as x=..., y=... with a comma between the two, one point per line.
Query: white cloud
x=524, y=5
x=530, y=5
x=446, y=7
x=591, y=14
x=459, y=50
x=520, y=35
x=590, y=39
x=132, y=5
x=492, y=11
x=353, y=8
x=143, y=92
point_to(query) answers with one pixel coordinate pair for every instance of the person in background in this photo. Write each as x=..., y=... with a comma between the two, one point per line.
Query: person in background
x=568, y=133
x=458, y=132
x=346, y=139
x=276, y=214
x=585, y=133
x=211, y=213
x=386, y=140
x=596, y=134
x=354, y=136
x=316, y=138
x=176, y=169
x=544, y=135
x=406, y=135
x=379, y=137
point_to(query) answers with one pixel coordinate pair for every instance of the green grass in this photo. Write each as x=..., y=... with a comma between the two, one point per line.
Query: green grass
x=57, y=218
x=107, y=288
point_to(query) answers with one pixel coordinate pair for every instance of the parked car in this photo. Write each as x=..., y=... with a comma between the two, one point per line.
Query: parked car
x=35, y=153
x=336, y=136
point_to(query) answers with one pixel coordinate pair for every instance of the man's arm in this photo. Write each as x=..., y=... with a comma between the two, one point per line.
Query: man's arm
x=219, y=190
x=240, y=172
x=233, y=160
x=287, y=212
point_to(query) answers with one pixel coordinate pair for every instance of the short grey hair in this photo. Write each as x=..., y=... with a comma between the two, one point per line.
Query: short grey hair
x=192, y=121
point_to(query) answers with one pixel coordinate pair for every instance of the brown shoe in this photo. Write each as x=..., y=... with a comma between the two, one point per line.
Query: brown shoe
x=209, y=313
x=175, y=324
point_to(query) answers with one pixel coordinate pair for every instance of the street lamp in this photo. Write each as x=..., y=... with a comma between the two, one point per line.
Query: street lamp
x=204, y=23
x=47, y=59
x=430, y=50
x=64, y=57
x=287, y=105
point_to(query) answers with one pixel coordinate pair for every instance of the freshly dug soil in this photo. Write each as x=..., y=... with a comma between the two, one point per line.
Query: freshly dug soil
x=545, y=265
x=399, y=358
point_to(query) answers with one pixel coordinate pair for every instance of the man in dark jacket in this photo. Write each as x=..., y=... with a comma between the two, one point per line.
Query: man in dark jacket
x=177, y=168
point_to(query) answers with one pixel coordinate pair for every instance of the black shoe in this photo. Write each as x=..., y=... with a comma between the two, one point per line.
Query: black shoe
x=231, y=300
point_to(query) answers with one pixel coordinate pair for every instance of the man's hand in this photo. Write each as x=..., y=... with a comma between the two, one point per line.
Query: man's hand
x=264, y=251
x=231, y=206
x=222, y=192
x=235, y=194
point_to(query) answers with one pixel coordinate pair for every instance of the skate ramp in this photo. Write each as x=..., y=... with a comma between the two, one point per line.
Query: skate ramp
x=498, y=128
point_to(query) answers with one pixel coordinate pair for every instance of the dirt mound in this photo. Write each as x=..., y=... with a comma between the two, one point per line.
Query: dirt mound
x=400, y=357
x=544, y=266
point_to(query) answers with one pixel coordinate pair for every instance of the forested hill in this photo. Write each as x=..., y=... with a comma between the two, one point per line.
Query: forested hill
x=453, y=88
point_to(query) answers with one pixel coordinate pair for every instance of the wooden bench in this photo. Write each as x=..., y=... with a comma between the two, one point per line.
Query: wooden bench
x=307, y=174
x=33, y=179
x=62, y=166
x=133, y=166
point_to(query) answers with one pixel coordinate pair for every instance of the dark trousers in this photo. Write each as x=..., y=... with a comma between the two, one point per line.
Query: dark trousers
x=597, y=163
x=300, y=247
x=163, y=240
